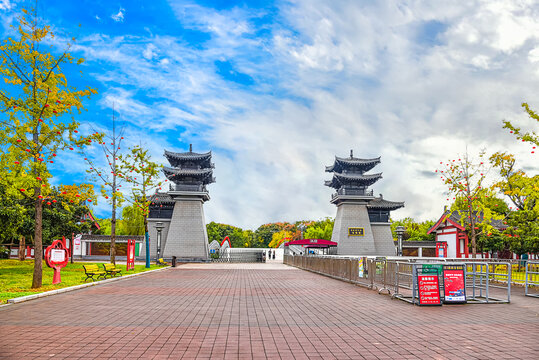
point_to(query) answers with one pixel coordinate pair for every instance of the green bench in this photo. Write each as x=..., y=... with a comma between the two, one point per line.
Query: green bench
x=111, y=269
x=93, y=270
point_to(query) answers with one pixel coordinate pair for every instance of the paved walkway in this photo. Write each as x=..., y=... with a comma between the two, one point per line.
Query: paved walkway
x=228, y=311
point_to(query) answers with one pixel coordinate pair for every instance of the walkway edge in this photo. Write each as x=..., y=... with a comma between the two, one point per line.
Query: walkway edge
x=77, y=287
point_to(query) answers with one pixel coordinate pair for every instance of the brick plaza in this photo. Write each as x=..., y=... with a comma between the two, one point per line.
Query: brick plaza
x=244, y=311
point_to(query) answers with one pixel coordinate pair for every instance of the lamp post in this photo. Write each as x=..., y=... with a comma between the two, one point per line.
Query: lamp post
x=400, y=231
x=159, y=226
x=301, y=228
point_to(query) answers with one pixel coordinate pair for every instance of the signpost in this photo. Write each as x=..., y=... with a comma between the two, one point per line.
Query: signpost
x=428, y=284
x=454, y=284
x=56, y=257
x=130, y=255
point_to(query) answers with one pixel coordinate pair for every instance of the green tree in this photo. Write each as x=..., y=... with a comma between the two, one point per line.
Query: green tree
x=528, y=136
x=35, y=101
x=238, y=237
x=414, y=231
x=111, y=179
x=464, y=179
x=322, y=229
x=143, y=175
x=523, y=192
x=132, y=222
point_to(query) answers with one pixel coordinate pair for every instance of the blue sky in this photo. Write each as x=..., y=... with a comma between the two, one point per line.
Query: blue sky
x=277, y=89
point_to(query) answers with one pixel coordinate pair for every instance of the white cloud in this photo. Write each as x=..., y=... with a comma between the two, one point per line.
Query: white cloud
x=5, y=5
x=118, y=17
x=331, y=76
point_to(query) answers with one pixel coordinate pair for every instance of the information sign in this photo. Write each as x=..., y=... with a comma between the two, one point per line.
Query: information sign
x=428, y=289
x=356, y=231
x=360, y=267
x=427, y=283
x=56, y=258
x=454, y=284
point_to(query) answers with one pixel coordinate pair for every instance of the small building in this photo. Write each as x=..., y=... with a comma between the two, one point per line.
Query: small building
x=449, y=230
x=99, y=245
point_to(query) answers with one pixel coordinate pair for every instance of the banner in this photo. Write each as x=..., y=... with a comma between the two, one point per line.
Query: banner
x=454, y=284
x=360, y=267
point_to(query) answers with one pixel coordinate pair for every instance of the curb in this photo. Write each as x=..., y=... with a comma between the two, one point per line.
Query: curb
x=76, y=287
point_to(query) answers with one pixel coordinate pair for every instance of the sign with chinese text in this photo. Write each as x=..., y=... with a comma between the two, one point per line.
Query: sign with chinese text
x=57, y=255
x=454, y=284
x=56, y=258
x=428, y=289
x=427, y=283
x=356, y=231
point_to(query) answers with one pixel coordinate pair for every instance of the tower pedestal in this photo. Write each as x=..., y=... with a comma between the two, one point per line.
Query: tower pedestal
x=352, y=213
x=187, y=238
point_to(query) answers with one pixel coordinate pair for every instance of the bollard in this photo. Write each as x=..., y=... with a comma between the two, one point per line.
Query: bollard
x=174, y=261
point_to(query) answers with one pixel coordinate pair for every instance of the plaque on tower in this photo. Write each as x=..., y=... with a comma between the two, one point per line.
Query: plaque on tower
x=180, y=210
x=359, y=212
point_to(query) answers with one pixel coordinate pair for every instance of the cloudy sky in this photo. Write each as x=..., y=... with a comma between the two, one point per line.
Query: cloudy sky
x=276, y=89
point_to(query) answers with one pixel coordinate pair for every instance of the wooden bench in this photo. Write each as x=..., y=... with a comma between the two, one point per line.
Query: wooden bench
x=111, y=269
x=93, y=270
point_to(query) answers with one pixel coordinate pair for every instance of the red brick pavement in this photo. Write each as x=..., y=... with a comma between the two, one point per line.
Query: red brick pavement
x=259, y=311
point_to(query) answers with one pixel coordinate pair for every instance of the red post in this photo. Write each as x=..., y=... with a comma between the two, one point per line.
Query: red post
x=130, y=255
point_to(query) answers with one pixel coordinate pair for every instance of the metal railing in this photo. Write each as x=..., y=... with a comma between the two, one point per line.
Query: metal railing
x=531, y=281
x=485, y=282
x=238, y=256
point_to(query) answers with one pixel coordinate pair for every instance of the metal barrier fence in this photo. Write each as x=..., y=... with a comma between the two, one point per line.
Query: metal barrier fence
x=238, y=256
x=485, y=282
x=532, y=278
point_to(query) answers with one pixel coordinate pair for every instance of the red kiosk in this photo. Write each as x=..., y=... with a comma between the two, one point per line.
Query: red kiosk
x=56, y=257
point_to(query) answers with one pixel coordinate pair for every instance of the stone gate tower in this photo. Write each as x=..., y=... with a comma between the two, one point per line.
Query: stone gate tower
x=180, y=209
x=362, y=224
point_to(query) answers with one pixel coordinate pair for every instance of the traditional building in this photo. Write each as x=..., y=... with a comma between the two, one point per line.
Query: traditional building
x=180, y=210
x=362, y=224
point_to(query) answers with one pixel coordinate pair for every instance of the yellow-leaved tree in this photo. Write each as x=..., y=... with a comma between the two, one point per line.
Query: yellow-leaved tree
x=37, y=120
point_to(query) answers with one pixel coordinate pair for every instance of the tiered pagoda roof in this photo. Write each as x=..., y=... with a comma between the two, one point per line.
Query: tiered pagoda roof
x=190, y=171
x=349, y=174
x=380, y=203
x=352, y=179
x=357, y=164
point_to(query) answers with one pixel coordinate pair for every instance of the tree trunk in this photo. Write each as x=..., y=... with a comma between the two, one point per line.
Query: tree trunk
x=113, y=232
x=37, y=279
x=22, y=246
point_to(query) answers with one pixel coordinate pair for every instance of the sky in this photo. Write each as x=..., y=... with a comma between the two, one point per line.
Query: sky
x=277, y=89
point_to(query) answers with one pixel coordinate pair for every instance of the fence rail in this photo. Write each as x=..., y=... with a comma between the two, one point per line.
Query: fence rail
x=531, y=279
x=485, y=282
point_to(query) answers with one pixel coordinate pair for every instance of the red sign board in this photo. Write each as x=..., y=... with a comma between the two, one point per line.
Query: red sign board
x=56, y=257
x=130, y=255
x=428, y=289
x=454, y=285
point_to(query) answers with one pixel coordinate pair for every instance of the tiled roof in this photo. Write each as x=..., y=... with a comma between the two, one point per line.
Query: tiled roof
x=339, y=163
x=381, y=203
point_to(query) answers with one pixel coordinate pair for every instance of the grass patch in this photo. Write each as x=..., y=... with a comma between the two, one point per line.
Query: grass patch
x=16, y=277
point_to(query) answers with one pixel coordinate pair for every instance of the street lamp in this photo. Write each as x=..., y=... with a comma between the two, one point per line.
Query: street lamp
x=301, y=228
x=159, y=226
x=400, y=231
